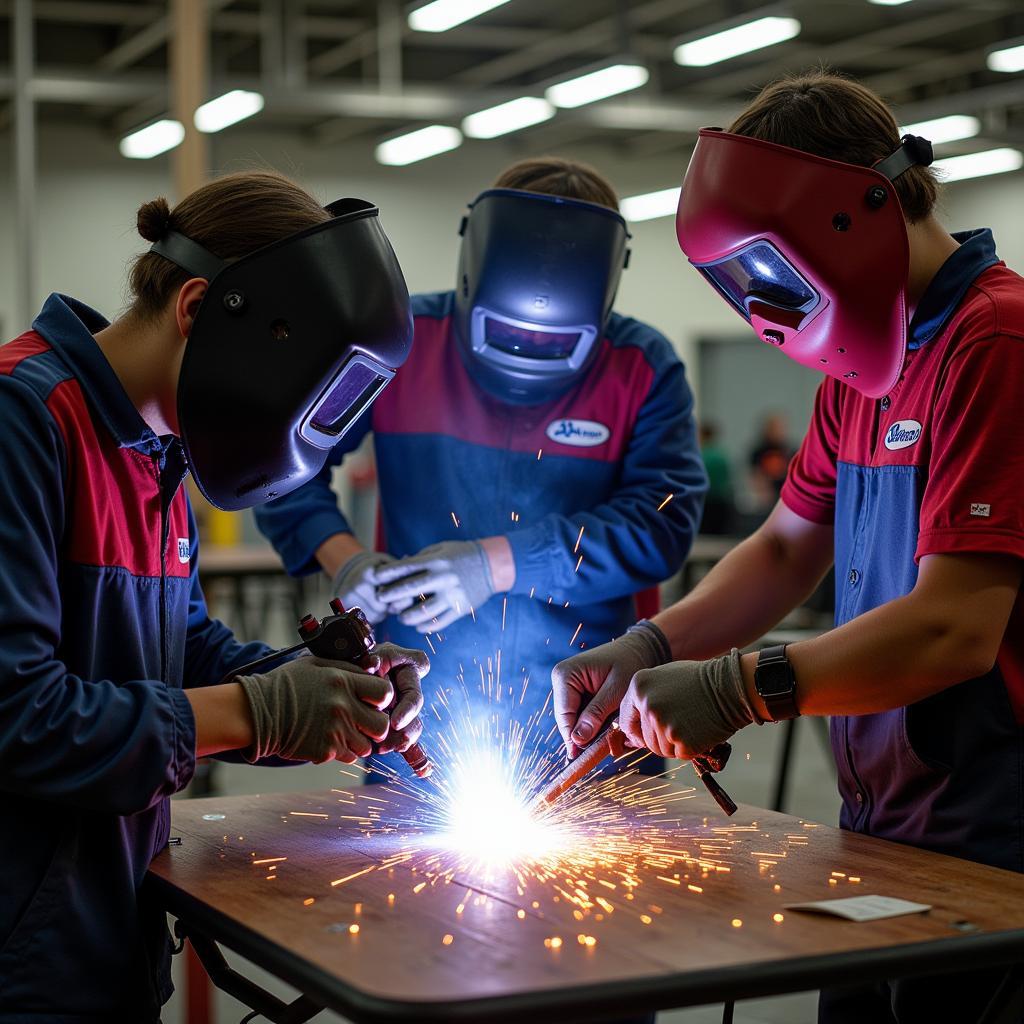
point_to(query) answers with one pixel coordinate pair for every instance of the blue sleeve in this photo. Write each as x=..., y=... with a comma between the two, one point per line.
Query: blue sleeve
x=211, y=650
x=112, y=748
x=298, y=523
x=635, y=539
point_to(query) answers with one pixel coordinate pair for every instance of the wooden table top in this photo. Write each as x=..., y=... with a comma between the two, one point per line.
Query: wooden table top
x=468, y=947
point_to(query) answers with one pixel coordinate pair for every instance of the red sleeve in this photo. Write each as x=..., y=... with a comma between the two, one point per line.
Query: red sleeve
x=973, y=496
x=810, y=487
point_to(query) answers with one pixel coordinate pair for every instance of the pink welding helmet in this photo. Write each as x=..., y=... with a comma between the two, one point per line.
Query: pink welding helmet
x=812, y=252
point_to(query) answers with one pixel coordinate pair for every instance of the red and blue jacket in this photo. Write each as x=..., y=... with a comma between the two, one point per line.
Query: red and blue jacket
x=615, y=458
x=934, y=467
x=102, y=624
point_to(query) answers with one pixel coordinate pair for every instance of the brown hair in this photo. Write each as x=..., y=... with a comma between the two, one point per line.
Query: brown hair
x=231, y=216
x=556, y=176
x=826, y=114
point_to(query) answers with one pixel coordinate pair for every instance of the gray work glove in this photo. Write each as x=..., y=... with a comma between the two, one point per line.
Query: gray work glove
x=588, y=687
x=355, y=586
x=312, y=710
x=686, y=708
x=451, y=577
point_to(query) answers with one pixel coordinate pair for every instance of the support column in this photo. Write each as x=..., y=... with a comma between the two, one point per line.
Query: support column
x=189, y=67
x=23, y=61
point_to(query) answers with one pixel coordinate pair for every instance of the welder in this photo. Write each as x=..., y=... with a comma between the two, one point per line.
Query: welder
x=261, y=326
x=524, y=457
x=815, y=222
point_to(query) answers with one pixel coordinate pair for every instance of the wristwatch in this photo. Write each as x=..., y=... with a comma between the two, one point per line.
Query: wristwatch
x=775, y=683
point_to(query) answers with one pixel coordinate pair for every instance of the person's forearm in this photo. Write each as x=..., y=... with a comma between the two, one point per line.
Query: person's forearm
x=502, y=562
x=894, y=655
x=746, y=594
x=223, y=719
x=336, y=551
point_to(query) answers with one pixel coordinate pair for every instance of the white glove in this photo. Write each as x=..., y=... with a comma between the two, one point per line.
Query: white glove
x=356, y=587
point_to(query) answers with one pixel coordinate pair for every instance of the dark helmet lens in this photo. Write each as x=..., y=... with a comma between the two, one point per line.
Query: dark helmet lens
x=519, y=341
x=355, y=388
x=760, y=272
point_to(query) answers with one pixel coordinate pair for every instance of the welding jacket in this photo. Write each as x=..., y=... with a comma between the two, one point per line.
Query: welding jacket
x=617, y=456
x=102, y=624
x=934, y=467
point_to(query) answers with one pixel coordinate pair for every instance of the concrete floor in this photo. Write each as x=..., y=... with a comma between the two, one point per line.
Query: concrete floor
x=749, y=780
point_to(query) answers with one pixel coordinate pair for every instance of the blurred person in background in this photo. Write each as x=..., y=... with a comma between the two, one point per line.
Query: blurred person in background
x=768, y=461
x=720, y=501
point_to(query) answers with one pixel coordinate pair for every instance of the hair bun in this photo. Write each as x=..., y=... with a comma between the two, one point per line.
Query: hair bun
x=154, y=219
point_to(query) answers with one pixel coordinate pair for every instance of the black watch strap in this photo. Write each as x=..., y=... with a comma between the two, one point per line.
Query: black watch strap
x=775, y=683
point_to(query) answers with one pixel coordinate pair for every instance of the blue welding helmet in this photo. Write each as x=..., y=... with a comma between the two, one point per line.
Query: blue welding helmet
x=290, y=345
x=536, y=281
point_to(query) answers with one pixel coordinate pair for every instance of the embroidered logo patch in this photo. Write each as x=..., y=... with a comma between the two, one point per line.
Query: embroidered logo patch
x=578, y=433
x=183, y=549
x=902, y=434
x=977, y=509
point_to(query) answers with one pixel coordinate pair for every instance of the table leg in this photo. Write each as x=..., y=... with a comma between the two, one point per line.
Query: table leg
x=783, y=763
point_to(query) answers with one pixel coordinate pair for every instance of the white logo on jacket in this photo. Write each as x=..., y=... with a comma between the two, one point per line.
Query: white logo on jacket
x=184, y=551
x=902, y=434
x=578, y=433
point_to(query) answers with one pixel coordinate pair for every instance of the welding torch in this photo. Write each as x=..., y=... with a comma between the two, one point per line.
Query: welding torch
x=611, y=742
x=343, y=636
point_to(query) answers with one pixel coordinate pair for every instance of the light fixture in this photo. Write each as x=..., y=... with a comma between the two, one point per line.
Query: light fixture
x=154, y=139
x=651, y=205
x=507, y=117
x=442, y=15
x=228, y=109
x=944, y=129
x=731, y=42
x=977, y=165
x=889, y=3
x=1009, y=59
x=418, y=145
x=597, y=85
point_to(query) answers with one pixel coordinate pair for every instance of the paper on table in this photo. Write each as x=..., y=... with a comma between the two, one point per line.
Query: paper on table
x=862, y=908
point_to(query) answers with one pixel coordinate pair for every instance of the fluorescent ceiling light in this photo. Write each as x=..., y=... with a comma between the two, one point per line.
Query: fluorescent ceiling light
x=889, y=3
x=731, y=42
x=598, y=85
x=230, y=108
x=154, y=139
x=651, y=205
x=442, y=15
x=944, y=129
x=1010, y=59
x=507, y=117
x=418, y=145
x=977, y=165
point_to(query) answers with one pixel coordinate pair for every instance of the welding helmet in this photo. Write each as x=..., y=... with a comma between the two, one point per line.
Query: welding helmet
x=291, y=343
x=812, y=252
x=536, y=281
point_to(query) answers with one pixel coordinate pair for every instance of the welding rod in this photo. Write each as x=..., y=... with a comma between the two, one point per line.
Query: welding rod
x=611, y=743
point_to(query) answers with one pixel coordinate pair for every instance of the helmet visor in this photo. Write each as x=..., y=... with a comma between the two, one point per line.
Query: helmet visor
x=760, y=273
x=530, y=344
x=347, y=397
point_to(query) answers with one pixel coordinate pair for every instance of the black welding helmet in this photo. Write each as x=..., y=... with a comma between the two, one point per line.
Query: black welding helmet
x=536, y=281
x=291, y=343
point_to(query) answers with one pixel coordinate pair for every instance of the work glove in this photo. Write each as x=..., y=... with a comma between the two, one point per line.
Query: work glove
x=686, y=708
x=355, y=586
x=451, y=578
x=312, y=710
x=588, y=687
x=405, y=668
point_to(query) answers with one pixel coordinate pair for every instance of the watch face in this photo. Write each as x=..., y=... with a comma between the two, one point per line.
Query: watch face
x=773, y=680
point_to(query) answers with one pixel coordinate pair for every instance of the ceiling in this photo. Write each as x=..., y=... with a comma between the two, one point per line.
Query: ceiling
x=344, y=69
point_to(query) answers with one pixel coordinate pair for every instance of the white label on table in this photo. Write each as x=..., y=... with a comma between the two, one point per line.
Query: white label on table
x=862, y=908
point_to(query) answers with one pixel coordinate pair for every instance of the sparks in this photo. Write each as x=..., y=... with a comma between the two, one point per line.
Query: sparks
x=667, y=499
